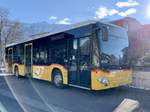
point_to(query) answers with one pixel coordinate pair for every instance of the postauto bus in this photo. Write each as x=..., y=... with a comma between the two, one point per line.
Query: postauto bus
x=90, y=55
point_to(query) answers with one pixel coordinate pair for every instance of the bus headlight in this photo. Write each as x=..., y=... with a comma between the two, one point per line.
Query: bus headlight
x=103, y=80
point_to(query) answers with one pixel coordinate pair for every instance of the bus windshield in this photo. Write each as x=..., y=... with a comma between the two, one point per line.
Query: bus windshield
x=113, y=52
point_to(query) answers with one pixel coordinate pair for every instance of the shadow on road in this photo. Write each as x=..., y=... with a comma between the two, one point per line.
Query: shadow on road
x=36, y=96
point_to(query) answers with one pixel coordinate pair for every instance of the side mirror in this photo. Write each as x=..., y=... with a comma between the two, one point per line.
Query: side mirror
x=105, y=34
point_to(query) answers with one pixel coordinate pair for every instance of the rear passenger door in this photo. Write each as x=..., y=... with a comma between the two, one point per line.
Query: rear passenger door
x=28, y=59
x=10, y=59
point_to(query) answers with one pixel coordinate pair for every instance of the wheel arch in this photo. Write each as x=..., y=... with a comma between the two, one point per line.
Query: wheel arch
x=62, y=70
x=14, y=67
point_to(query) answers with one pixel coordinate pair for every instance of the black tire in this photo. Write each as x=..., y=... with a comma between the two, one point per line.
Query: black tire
x=57, y=79
x=16, y=72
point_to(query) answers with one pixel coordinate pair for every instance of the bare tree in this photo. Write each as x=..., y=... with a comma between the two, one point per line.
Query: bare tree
x=10, y=31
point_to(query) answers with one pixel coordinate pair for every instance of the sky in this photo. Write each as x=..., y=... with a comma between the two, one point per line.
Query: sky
x=72, y=11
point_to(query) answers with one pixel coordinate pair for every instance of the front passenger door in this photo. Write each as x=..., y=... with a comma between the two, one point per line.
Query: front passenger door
x=73, y=61
x=84, y=62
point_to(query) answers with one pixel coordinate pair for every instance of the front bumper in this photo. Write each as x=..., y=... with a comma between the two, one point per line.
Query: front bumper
x=115, y=78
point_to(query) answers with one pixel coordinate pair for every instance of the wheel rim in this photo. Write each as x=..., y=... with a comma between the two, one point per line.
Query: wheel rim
x=58, y=80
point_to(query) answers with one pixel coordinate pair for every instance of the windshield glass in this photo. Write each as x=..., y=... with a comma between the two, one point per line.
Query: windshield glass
x=113, y=52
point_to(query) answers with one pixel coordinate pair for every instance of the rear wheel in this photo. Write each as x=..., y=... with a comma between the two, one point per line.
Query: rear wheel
x=57, y=79
x=16, y=72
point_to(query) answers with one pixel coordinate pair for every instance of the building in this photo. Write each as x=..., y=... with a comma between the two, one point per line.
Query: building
x=144, y=37
x=139, y=37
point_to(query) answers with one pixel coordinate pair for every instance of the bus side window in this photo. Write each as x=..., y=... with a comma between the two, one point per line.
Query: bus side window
x=40, y=52
x=59, y=52
x=43, y=56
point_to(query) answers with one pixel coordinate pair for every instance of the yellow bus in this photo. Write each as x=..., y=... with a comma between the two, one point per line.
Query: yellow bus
x=90, y=55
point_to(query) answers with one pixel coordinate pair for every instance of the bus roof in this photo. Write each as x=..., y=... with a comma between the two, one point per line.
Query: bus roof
x=70, y=27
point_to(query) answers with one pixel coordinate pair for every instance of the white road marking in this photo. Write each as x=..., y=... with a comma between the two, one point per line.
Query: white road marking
x=2, y=108
x=27, y=101
x=5, y=74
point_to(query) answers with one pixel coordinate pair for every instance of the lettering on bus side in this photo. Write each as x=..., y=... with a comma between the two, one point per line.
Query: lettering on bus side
x=38, y=71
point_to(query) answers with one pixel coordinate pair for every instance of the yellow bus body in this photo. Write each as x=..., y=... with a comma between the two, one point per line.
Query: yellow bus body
x=116, y=78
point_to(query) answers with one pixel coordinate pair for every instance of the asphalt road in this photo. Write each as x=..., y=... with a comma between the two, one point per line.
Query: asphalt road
x=18, y=95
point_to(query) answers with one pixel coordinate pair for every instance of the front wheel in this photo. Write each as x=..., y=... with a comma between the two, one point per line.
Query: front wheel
x=58, y=79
